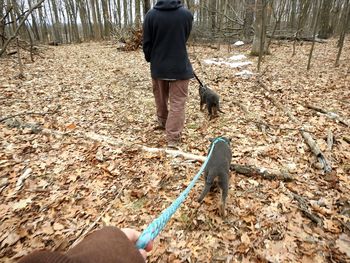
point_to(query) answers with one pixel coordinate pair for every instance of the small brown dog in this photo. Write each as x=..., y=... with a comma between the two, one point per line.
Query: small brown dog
x=209, y=98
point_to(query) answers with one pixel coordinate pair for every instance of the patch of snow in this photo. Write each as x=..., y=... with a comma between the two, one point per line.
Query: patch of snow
x=230, y=64
x=333, y=115
x=244, y=73
x=238, y=43
x=238, y=57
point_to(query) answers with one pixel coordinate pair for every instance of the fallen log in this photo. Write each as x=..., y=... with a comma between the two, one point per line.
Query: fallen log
x=249, y=170
x=294, y=38
x=246, y=170
x=329, y=114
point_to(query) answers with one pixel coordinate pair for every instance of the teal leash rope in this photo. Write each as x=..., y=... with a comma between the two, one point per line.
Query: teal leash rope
x=157, y=225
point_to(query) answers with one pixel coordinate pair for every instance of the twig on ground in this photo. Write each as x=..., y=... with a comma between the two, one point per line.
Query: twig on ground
x=29, y=113
x=304, y=207
x=330, y=139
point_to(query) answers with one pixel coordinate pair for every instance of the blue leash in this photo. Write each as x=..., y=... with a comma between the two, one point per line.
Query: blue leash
x=157, y=225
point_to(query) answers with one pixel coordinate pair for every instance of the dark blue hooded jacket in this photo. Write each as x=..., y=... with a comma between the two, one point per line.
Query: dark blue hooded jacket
x=165, y=32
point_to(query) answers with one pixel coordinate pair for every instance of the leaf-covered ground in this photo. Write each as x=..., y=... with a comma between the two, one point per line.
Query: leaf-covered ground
x=56, y=182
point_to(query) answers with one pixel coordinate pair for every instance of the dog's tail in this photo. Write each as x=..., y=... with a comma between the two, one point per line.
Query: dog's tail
x=200, y=83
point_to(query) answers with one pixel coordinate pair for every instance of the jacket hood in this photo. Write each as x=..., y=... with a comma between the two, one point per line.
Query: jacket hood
x=167, y=4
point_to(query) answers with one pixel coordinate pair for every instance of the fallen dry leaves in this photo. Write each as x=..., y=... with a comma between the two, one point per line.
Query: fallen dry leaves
x=54, y=186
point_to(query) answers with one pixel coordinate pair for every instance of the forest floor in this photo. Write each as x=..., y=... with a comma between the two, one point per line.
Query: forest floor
x=60, y=178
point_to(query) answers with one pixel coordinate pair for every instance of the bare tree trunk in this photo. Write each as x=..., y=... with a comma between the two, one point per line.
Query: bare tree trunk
x=21, y=23
x=119, y=13
x=43, y=25
x=317, y=14
x=106, y=23
x=137, y=14
x=34, y=23
x=325, y=28
x=305, y=5
x=293, y=13
x=72, y=8
x=248, y=20
x=83, y=18
x=346, y=11
x=146, y=6
x=99, y=17
x=65, y=37
x=91, y=30
x=125, y=12
x=12, y=27
x=55, y=21
x=131, y=21
x=96, y=27
x=262, y=32
x=212, y=20
x=278, y=16
x=259, y=28
x=2, y=22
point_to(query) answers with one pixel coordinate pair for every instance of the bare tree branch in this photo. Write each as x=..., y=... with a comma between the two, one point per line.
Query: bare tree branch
x=19, y=26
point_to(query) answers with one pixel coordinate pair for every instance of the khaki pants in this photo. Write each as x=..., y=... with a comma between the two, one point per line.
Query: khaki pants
x=172, y=94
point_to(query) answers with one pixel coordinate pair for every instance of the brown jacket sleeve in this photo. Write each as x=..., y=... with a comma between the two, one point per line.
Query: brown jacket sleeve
x=107, y=245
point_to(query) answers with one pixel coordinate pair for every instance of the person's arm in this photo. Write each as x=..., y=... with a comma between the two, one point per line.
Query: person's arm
x=109, y=244
x=147, y=38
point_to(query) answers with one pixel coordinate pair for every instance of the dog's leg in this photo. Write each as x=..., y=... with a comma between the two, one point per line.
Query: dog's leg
x=205, y=192
x=210, y=109
x=224, y=191
x=215, y=112
x=207, y=187
x=201, y=105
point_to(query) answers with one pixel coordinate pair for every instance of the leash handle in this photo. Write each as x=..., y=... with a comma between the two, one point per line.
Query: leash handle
x=157, y=225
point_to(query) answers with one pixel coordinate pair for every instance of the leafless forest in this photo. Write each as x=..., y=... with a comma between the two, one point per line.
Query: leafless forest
x=78, y=149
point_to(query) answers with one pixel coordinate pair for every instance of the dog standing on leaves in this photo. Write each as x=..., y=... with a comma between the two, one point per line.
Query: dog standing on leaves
x=218, y=168
x=209, y=98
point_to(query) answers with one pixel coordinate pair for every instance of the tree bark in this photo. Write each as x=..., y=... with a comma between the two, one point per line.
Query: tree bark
x=314, y=35
x=34, y=23
x=96, y=27
x=259, y=29
x=43, y=26
x=137, y=13
x=125, y=12
x=106, y=19
x=83, y=19
x=343, y=31
x=146, y=6
x=325, y=28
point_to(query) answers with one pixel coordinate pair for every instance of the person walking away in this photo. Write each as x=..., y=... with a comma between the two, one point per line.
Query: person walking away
x=166, y=29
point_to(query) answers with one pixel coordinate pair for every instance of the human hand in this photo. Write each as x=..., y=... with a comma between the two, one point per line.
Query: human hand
x=133, y=236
